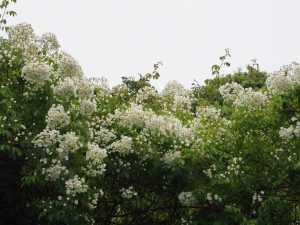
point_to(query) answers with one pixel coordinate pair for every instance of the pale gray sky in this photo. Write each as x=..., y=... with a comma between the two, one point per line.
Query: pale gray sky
x=113, y=38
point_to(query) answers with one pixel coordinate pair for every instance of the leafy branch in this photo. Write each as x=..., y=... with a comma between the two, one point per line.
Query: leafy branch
x=224, y=62
x=155, y=75
x=5, y=12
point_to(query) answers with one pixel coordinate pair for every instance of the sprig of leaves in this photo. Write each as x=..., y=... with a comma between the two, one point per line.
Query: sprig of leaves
x=224, y=62
x=5, y=12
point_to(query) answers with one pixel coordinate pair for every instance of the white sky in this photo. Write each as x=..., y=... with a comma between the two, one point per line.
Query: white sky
x=113, y=38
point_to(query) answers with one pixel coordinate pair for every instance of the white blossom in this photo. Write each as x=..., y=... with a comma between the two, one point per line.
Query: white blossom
x=290, y=132
x=182, y=101
x=68, y=66
x=21, y=33
x=185, y=198
x=250, y=99
x=230, y=91
x=208, y=112
x=65, y=88
x=53, y=172
x=57, y=117
x=123, y=146
x=75, y=185
x=47, y=138
x=136, y=116
x=128, y=192
x=295, y=74
x=103, y=136
x=49, y=42
x=277, y=83
x=87, y=107
x=69, y=143
x=95, y=154
x=256, y=198
x=170, y=157
x=146, y=94
x=85, y=88
x=172, y=89
x=133, y=116
x=36, y=73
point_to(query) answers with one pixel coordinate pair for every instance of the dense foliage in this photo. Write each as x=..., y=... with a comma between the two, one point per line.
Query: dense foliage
x=73, y=151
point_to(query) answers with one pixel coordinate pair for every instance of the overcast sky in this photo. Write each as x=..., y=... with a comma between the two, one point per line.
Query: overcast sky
x=114, y=38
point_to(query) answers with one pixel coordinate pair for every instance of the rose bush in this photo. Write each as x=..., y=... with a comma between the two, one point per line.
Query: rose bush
x=226, y=152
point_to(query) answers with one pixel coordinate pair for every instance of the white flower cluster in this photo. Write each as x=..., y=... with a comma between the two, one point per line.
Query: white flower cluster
x=295, y=73
x=136, y=116
x=286, y=78
x=286, y=133
x=234, y=169
x=36, y=73
x=257, y=197
x=75, y=185
x=185, y=198
x=170, y=157
x=68, y=144
x=3, y=120
x=85, y=88
x=31, y=46
x=277, y=83
x=69, y=87
x=208, y=112
x=147, y=94
x=178, y=96
x=54, y=172
x=8, y=55
x=172, y=89
x=68, y=66
x=164, y=125
x=103, y=136
x=87, y=107
x=210, y=197
x=209, y=171
x=230, y=91
x=65, y=88
x=123, y=146
x=49, y=43
x=182, y=102
x=154, y=125
x=94, y=200
x=158, y=125
x=95, y=154
x=235, y=93
x=290, y=132
x=250, y=99
x=21, y=33
x=57, y=117
x=47, y=138
x=279, y=153
x=128, y=192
